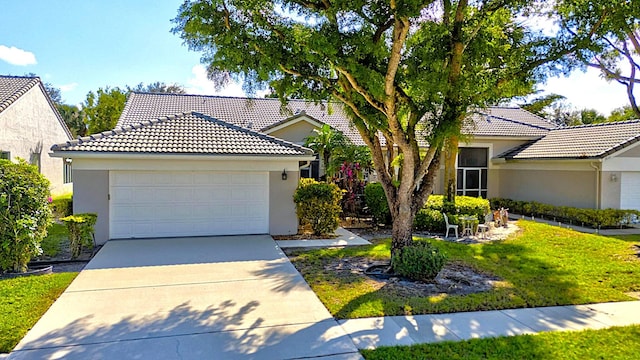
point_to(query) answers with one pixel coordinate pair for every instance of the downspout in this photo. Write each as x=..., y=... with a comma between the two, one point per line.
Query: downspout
x=598, y=187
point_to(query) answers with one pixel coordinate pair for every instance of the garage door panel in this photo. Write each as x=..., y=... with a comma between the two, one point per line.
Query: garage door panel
x=630, y=191
x=187, y=203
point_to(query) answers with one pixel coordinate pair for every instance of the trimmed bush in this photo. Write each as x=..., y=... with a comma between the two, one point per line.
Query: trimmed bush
x=376, y=201
x=62, y=205
x=318, y=205
x=419, y=261
x=81, y=231
x=25, y=214
x=603, y=218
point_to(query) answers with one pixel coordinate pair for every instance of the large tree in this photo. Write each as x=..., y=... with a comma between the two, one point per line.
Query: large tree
x=73, y=116
x=408, y=72
x=611, y=31
x=102, y=109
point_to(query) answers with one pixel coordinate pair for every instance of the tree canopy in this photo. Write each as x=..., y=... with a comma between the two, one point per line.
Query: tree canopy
x=610, y=32
x=101, y=110
x=407, y=72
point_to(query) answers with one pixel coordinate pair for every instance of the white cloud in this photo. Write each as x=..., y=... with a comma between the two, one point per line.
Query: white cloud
x=200, y=84
x=16, y=56
x=587, y=90
x=68, y=87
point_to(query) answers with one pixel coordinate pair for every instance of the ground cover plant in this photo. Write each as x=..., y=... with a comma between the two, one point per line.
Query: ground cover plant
x=612, y=343
x=540, y=266
x=24, y=300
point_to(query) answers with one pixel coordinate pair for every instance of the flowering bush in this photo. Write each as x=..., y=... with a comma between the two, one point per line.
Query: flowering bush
x=25, y=214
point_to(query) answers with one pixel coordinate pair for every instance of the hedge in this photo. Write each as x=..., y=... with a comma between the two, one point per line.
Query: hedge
x=595, y=218
x=430, y=218
x=62, y=205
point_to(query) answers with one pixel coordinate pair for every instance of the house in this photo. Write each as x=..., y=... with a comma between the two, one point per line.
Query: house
x=29, y=124
x=179, y=165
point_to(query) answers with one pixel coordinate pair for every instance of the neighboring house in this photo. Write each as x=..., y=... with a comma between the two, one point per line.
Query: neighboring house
x=29, y=125
x=165, y=172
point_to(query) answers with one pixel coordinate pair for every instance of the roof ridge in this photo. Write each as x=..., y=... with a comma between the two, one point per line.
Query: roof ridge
x=249, y=131
x=230, y=97
x=606, y=123
x=515, y=121
x=19, y=92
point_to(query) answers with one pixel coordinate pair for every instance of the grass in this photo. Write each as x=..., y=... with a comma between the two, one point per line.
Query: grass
x=541, y=266
x=612, y=343
x=24, y=300
x=56, y=234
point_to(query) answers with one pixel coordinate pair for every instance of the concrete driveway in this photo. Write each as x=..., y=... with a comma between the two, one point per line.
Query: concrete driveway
x=233, y=297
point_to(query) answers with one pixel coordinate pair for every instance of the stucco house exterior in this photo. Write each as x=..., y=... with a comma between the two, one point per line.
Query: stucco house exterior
x=151, y=178
x=29, y=125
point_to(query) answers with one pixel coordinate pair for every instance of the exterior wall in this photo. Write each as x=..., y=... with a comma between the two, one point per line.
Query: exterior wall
x=633, y=151
x=91, y=186
x=91, y=194
x=295, y=133
x=611, y=189
x=282, y=210
x=29, y=123
x=555, y=187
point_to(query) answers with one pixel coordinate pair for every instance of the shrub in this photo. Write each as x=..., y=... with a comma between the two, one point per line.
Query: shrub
x=376, y=201
x=603, y=218
x=318, y=205
x=25, y=214
x=419, y=261
x=62, y=205
x=81, y=231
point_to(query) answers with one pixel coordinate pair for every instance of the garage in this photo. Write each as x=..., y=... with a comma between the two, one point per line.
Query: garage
x=630, y=187
x=185, y=175
x=188, y=203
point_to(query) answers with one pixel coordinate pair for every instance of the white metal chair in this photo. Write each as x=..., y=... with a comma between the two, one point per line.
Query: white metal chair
x=483, y=228
x=449, y=226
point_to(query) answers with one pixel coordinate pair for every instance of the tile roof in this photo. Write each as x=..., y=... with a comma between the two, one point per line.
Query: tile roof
x=185, y=133
x=258, y=114
x=13, y=87
x=579, y=142
x=508, y=122
x=262, y=114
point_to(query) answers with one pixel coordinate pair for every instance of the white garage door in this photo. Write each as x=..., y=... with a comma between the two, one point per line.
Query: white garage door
x=630, y=190
x=187, y=203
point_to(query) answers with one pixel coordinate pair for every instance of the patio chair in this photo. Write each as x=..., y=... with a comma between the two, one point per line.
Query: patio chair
x=449, y=226
x=483, y=228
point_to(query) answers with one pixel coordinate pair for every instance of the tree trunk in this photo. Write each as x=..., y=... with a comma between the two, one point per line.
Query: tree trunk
x=450, y=171
x=402, y=231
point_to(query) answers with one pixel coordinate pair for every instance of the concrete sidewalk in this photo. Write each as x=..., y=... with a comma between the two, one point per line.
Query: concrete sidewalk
x=370, y=333
x=345, y=238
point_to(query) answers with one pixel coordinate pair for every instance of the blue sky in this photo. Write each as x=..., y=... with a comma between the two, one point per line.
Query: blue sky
x=80, y=46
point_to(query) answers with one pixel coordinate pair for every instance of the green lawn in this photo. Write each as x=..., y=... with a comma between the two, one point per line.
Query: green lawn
x=541, y=266
x=24, y=300
x=612, y=343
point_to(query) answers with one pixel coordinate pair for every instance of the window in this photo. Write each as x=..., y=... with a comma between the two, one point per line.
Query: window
x=34, y=159
x=5, y=155
x=67, y=174
x=472, y=171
